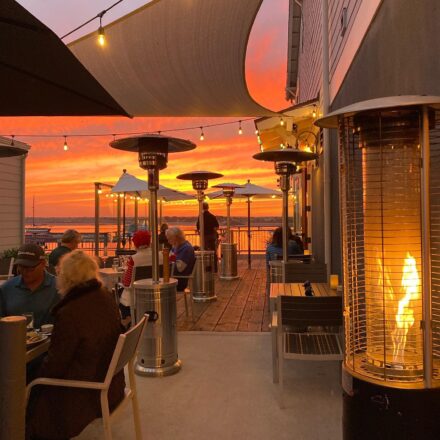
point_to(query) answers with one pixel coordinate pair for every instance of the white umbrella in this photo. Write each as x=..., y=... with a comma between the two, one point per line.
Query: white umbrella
x=248, y=191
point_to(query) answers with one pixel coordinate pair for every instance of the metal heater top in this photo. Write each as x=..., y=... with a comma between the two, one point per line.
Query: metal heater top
x=394, y=102
x=285, y=155
x=199, y=175
x=152, y=143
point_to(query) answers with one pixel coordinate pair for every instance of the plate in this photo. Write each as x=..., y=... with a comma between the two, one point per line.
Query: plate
x=37, y=339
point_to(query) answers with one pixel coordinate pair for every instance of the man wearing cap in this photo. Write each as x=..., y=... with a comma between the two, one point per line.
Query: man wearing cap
x=33, y=291
x=69, y=242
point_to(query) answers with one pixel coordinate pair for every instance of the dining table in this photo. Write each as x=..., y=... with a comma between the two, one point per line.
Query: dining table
x=15, y=355
x=298, y=289
x=111, y=276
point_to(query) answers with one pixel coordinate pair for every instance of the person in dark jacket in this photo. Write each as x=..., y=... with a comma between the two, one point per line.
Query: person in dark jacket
x=86, y=329
x=210, y=226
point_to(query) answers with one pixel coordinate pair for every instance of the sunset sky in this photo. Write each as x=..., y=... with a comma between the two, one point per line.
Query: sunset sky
x=62, y=182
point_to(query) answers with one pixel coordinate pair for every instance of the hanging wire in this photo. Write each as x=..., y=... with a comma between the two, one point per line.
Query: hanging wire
x=100, y=15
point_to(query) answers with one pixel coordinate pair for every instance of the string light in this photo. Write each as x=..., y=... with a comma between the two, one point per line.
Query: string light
x=240, y=130
x=281, y=121
x=202, y=136
x=314, y=112
x=65, y=147
x=257, y=132
x=101, y=34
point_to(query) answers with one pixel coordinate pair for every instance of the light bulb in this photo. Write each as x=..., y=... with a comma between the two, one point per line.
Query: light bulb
x=281, y=121
x=65, y=147
x=202, y=136
x=101, y=36
x=99, y=191
x=314, y=112
x=257, y=132
x=240, y=130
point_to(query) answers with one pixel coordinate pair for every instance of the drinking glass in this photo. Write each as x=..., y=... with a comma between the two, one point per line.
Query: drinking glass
x=29, y=321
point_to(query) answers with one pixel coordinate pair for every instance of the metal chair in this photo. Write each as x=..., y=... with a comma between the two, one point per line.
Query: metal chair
x=124, y=354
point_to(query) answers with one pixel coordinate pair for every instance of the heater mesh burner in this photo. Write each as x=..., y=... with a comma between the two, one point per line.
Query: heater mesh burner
x=384, y=260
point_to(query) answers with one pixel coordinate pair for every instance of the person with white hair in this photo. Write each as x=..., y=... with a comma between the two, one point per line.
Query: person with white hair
x=182, y=254
x=86, y=329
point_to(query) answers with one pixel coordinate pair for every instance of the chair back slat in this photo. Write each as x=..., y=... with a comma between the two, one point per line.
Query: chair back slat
x=125, y=348
x=311, y=311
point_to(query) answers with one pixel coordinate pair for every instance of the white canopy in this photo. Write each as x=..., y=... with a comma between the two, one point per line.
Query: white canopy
x=249, y=190
x=176, y=58
x=131, y=184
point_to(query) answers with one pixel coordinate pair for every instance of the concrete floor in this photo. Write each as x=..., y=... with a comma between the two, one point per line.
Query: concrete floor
x=225, y=391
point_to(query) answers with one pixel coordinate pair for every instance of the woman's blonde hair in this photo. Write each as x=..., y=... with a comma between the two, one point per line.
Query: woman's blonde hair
x=75, y=268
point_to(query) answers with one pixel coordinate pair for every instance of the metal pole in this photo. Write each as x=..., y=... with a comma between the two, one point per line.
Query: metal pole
x=136, y=213
x=326, y=141
x=284, y=180
x=249, y=230
x=160, y=211
x=96, y=218
x=426, y=251
x=228, y=219
x=200, y=197
x=118, y=227
x=153, y=186
x=123, y=221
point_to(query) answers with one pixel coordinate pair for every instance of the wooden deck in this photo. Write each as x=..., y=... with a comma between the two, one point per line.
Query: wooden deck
x=242, y=305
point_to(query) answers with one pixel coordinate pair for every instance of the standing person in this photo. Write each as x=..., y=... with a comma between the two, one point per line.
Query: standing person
x=33, y=290
x=163, y=240
x=182, y=254
x=86, y=329
x=210, y=232
x=69, y=242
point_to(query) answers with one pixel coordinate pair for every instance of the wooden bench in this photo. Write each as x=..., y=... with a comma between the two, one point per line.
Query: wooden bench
x=306, y=329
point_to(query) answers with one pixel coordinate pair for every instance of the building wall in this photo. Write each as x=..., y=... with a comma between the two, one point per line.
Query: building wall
x=310, y=53
x=398, y=56
x=12, y=202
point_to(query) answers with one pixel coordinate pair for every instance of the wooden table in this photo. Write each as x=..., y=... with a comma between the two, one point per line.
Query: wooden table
x=297, y=289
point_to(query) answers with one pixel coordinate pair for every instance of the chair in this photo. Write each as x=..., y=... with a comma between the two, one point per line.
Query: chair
x=124, y=354
x=8, y=269
x=188, y=290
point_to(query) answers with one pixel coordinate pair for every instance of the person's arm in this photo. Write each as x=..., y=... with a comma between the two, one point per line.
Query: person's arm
x=63, y=346
x=126, y=279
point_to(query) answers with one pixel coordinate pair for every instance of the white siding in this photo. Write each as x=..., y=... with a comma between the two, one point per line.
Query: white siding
x=11, y=202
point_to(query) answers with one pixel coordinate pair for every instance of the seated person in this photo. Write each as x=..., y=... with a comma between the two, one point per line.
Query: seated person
x=69, y=242
x=142, y=257
x=274, y=248
x=34, y=290
x=86, y=329
x=182, y=253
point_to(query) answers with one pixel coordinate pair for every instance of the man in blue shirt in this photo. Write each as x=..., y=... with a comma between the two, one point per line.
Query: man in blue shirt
x=33, y=291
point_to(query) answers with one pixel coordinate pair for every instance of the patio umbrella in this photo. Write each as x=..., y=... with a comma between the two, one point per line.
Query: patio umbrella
x=39, y=75
x=130, y=184
x=248, y=191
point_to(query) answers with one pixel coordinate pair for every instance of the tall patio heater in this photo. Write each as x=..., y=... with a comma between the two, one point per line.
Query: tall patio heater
x=389, y=152
x=228, y=269
x=158, y=348
x=203, y=281
x=285, y=162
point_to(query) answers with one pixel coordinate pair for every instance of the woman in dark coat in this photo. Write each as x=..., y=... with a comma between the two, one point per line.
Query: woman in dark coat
x=86, y=329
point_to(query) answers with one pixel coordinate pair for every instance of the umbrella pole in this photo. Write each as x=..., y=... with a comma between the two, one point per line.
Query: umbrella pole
x=123, y=222
x=249, y=231
x=97, y=219
x=160, y=211
x=136, y=214
x=118, y=221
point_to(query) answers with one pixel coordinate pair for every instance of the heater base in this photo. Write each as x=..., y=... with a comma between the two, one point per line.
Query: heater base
x=373, y=411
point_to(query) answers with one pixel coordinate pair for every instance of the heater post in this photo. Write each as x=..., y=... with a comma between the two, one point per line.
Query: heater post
x=153, y=186
x=426, y=249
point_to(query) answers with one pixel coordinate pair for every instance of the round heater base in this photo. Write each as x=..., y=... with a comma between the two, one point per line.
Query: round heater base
x=203, y=299
x=221, y=277
x=159, y=371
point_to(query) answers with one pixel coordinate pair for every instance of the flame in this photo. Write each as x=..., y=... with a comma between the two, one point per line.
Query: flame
x=405, y=314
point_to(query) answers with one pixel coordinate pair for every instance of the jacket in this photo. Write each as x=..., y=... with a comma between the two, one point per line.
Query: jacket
x=86, y=329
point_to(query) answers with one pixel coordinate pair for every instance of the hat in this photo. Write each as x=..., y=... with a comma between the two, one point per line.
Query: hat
x=141, y=238
x=30, y=255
